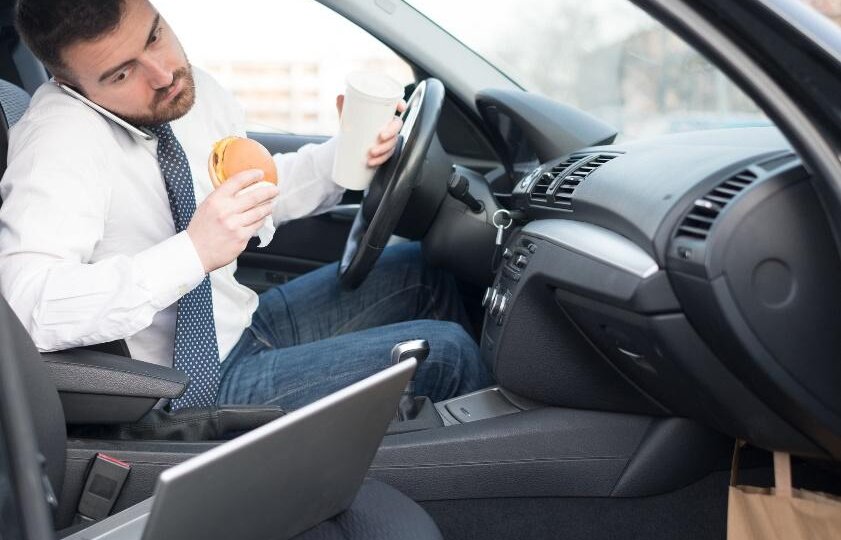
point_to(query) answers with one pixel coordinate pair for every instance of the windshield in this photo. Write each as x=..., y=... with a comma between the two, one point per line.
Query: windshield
x=606, y=57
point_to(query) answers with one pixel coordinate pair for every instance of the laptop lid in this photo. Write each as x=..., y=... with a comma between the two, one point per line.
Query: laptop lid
x=284, y=477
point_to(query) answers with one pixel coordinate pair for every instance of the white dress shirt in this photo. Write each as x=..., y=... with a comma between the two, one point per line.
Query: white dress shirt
x=88, y=250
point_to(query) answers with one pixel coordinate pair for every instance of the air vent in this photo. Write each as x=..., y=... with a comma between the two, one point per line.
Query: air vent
x=547, y=182
x=539, y=192
x=567, y=163
x=699, y=221
x=562, y=196
x=555, y=187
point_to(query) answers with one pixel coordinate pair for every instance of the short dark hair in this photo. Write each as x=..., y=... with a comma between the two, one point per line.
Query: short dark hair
x=48, y=27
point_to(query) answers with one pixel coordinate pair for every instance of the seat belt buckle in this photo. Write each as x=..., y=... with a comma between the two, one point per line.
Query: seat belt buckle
x=102, y=487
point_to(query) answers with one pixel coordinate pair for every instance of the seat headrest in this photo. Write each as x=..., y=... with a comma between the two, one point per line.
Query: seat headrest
x=13, y=101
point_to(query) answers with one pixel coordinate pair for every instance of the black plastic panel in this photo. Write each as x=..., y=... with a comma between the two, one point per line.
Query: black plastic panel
x=82, y=371
x=590, y=322
x=674, y=453
x=665, y=356
x=469, y=252
x=785, y=282
x=148, y=461
x=523, y=121
x=550, y=452
x=101, y=388
x=104, y=408
x=765, y=297
x=536, y=351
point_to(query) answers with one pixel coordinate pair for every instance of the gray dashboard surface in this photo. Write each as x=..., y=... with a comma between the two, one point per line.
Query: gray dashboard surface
x=635, y=194
x=595, y=242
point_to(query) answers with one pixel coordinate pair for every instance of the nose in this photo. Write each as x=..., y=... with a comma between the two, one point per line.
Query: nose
x=159, y=76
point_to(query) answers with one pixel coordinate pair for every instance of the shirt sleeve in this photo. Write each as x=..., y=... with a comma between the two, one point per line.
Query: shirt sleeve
x=56, y=198
x=305, y=180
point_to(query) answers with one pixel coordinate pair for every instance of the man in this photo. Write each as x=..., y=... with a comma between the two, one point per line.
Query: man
x=105, y=235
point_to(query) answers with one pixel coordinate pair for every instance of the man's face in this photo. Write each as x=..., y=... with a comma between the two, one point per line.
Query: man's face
x=138, y=71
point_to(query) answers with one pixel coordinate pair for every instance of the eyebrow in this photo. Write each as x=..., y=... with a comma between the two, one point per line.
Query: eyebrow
x=155, y=23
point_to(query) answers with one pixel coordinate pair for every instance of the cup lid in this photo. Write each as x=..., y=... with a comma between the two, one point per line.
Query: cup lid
x=374, y=85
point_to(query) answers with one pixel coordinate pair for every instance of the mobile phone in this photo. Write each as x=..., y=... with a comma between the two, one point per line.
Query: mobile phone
x=140, y=132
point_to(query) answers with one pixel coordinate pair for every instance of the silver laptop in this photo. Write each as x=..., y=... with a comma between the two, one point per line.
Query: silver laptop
x=274, y=482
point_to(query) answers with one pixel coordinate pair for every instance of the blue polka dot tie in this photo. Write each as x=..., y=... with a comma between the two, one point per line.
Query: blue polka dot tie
x=196, y=351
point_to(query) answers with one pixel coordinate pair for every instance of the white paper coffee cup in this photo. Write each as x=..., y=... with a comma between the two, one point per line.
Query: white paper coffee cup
x=370, y=103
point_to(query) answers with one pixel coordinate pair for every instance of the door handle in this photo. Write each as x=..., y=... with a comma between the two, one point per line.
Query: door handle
x=344, y=212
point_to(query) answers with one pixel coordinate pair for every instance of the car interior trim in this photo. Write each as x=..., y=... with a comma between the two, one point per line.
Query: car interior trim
x=597, y=243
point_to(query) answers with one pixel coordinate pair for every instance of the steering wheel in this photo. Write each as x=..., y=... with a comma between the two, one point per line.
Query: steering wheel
x=386, y=198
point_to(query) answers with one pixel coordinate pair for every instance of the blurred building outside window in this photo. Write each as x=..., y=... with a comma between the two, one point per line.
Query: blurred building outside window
x=284, y=61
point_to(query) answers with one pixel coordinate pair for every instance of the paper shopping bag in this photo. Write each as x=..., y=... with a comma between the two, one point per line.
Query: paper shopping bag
x=781, y=512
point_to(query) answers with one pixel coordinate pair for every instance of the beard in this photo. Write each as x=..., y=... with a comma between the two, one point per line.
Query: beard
x=178, y=106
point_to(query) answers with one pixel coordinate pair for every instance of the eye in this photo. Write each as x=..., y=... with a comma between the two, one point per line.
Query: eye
x=157, y=35
x=120, y=77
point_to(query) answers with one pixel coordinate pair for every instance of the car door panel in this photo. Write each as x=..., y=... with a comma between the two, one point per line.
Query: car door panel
x=285, y=142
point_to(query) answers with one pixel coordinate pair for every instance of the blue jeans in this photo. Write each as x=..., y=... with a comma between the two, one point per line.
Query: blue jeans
x=309, y=337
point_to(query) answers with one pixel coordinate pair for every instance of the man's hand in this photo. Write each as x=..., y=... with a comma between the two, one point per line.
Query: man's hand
x=387, y=138
x=227, y=219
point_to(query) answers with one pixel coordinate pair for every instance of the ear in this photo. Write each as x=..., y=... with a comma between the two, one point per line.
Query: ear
x=61, y=76
x=66, y=81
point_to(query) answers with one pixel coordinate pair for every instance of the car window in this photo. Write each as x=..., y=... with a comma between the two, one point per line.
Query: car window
x=284, y=61
x=607, y=57
x=831, y=9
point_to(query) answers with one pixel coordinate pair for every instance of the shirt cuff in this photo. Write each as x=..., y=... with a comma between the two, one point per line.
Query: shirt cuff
x=169, y=270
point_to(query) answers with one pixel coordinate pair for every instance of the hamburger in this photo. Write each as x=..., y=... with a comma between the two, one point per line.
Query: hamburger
x=233, y=155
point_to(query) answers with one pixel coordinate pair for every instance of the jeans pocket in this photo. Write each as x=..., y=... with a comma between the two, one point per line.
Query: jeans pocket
x=259, y=338
x=250, y=342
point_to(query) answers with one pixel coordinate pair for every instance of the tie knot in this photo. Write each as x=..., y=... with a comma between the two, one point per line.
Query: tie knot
x=161, y=130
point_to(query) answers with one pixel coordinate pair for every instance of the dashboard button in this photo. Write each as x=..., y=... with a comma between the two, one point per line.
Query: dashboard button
x=521, y=261
x=510, y=274
x=486, y=300
x=503, y=304
x=496, y=304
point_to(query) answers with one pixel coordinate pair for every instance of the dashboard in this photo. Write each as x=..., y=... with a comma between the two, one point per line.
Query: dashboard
x=690, y=275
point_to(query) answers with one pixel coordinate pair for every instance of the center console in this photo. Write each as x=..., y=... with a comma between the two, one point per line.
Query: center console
x=563, y=421
x=482, y=405
x=530, y=342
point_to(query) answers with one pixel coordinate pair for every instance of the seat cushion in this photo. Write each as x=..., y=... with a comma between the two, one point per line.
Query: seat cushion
x=379, y=512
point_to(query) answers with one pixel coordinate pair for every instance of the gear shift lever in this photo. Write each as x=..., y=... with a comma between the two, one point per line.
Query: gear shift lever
x=419, y=350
